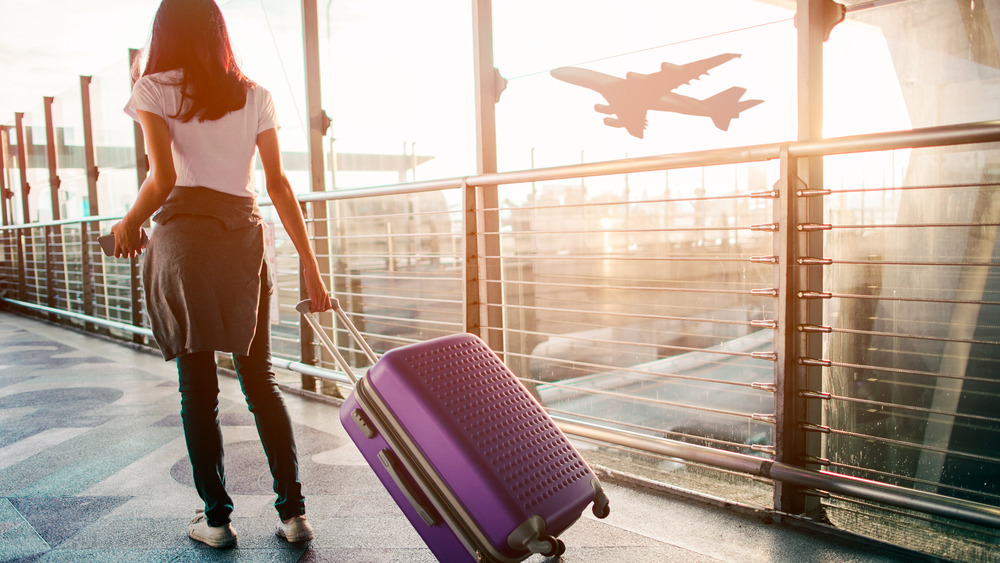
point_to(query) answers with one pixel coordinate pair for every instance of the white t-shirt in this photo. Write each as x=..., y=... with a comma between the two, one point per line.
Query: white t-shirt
x=217, y=154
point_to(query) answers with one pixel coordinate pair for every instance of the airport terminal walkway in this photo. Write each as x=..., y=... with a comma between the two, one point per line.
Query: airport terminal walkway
x=93, y=468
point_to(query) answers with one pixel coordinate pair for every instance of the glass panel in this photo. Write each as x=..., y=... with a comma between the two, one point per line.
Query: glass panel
x=39, y=196
x=399, y=88
x=915, y=345
x=897, y=65
x=267, y=39
x=604, y=83
x=629, y=302
x=114, y=139
x=11, y=175
x=67, y=117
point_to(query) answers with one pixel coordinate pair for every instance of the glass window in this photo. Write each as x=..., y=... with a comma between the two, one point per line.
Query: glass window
x=897, y=65
x=267, y=39
x=11, y=175
x=114, y=139
x=603, y=80
x=37, y=169
x=398, y=86
x=67, y=117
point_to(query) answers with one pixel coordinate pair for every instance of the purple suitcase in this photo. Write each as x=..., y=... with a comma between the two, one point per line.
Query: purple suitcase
x=475, y=463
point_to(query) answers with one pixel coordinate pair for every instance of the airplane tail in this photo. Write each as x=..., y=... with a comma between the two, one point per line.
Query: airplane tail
x=727, y=106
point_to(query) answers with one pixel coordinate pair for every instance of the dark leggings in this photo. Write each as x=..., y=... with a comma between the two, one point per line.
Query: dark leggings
x=199, y=389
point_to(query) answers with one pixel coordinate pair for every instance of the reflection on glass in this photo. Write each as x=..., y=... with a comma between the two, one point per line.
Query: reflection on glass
x=902, y=65
x=914, y=321
x=629, y=300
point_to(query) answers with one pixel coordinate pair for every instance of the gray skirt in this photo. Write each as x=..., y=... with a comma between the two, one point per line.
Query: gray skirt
x=204, y=274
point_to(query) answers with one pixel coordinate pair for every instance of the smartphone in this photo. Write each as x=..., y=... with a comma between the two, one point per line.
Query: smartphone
x=107, y=242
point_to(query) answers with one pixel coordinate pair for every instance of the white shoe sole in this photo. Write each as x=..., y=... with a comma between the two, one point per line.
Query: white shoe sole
x=217, y=544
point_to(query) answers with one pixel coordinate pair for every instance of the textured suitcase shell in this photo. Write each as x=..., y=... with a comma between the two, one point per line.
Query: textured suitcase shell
x=485, y=453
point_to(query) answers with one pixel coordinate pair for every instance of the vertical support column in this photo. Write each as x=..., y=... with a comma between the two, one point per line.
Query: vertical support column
x=93, y=268
x=319, y=123
x=797, y=417
x=89, y=150
x=141, y=161
x=55, y=244
x=484, y=293
x=141, y=171
x=50, y=153
x=789, y=409
x=22, y=164
x=6, y=217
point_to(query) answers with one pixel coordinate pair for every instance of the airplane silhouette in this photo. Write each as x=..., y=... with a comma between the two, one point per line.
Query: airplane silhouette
x=630, y=98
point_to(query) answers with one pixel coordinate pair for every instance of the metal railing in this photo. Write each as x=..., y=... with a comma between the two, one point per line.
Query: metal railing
x=706, y=313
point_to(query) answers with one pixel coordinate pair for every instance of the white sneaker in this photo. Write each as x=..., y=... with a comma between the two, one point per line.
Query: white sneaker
x=295, y=530
x=215, y=536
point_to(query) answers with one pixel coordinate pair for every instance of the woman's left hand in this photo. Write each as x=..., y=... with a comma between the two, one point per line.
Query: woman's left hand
x=128, y=240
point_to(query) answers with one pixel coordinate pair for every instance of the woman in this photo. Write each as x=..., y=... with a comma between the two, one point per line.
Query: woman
x=206, y=282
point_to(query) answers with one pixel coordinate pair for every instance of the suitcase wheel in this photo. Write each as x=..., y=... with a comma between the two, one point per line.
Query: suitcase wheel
x=553, y=546
x=602, y=507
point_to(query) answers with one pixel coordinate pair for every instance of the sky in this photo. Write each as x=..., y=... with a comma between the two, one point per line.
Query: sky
x=46, y=45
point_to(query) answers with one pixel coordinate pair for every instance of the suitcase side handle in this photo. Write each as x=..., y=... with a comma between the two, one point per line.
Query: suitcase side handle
x=409, y=488
x=303, y=308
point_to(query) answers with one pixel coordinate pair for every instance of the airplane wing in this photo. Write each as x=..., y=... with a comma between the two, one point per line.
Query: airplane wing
x=671, y=76
x=625, y=106
x=594, y=80
x=632, y=119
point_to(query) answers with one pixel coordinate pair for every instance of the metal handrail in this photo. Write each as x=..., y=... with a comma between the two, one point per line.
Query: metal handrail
x=958, y=509
x=946, y=135
x=142, y=331
x=61, y=222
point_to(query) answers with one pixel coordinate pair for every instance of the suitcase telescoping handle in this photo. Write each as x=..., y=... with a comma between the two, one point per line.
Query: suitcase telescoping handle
x=303, y=308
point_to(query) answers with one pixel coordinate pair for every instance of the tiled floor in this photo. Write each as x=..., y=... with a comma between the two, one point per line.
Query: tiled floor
x=93, y=468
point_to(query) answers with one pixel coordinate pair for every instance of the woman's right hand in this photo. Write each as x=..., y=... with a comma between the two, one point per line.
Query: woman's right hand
x=318, y=294
x=128, y=240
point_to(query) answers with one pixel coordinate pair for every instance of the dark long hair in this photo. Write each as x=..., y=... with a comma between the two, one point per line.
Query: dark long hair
x=191, y=35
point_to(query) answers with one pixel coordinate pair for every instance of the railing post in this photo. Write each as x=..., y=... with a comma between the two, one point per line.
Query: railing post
x=22, y=164
x=86, y=273
x=22, y=266
x=89, y=150
x=54, y=234
x=50, y=268
x=141, y=171
x=307, y=353
x=473, y=270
